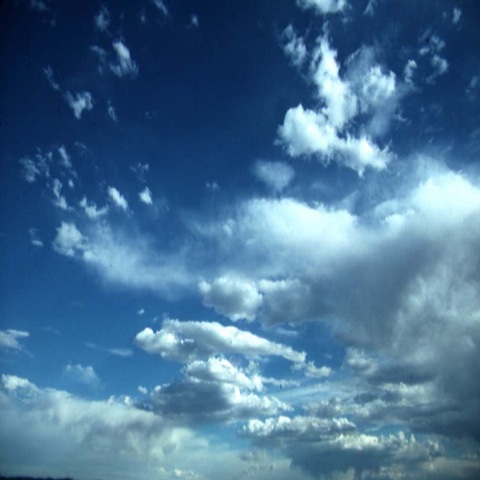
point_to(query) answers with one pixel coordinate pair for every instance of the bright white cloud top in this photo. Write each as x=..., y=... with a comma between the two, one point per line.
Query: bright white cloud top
x=301, y=179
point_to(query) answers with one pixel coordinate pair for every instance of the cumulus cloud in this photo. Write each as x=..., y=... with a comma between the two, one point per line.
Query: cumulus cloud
x=82, y=374
x=102, y=19
x=34, y=238
x=69, y=240
x=117, y=198
x=9, y=339
x=49, y=430
x=214, y=390
x=231, y=296
x=188, y=341
x=323, y=6
x=36, y=167
x=294, y=46
x=276, y=175
x=327, y=132
x=124, y=64
x=145, y=196
x=91, y=209
x=79, y=102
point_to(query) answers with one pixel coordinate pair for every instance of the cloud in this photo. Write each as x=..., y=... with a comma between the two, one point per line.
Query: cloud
x=79, y=102
x=117, y=198
x=36, y=167
x=323, y=6
x=9, y=339
x=276, y=175
x=231, y=296
x=328, y=132
x=48, y=72
x=294, y=46
x=118, y=352
x=456, y=15
x=146, y=196
x=91, y=209
x=82, y=374
x=34, y=238
x=112, y=113
x=102, y=19
x=65, y=157
x=140, y=169
x=161, y=7
x=432, y=46
x=213, y=390
x=187, y=341
x=194, y=21
x=51, y=432
x=124, y=65
x=69, y=240
x=59, y=200
x=123, y=259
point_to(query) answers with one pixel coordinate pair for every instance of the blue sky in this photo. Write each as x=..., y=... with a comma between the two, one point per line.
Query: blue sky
x=240, y=238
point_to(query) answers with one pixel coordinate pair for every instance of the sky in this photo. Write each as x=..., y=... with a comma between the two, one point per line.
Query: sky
x=240, y=239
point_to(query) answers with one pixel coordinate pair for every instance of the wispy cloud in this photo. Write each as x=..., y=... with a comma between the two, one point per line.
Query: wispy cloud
x=79, y=102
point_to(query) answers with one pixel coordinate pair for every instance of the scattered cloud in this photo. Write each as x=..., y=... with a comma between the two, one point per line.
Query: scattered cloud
x=161, y=7
x=49, y=75
x=188, y=340
x=124, y=65
x=69, y=240
x=9, y=339
x=146, y=196
x=102, y=19
x=276, y=175
x=141, y=312
x=82, y=374
x=323, y=7
x=194, y=22
x=141, y=170
x=59, y=200
x=112, y=113
x=34, y=238
x=79, y=102
x=117, y=198
x=456, y=15
x=294, y=46
x=118, y=352
x=91, y=209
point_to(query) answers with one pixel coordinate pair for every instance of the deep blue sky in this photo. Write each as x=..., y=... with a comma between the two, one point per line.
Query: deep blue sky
x=240, y=238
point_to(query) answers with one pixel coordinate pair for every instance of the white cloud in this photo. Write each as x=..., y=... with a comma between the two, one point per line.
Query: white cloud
x=79, y=102
x=102, y=19
x=146, y=196
x=48, y=432
x=60, y=200
x=294, y=46
x=117, y=198
x=194, y=20
x=124, y=65
x=276, y=175
x=36, y=167
x=118, y=352
x=162, y=8
x=409, y=70
x=141, y=312
x=48, y=72
x=69, y=240
x=233, y=297
x=34, y=238
x=91, y=209
x=323, y=6
x=456, y=15
x=9, y=339
x=187, y=340
x=65, y=157
x=82, y=374
x=112, y=113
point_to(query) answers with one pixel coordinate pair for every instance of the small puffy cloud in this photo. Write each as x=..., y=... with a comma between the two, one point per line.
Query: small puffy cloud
x=112, y=113
x=49, y=75
x=124, y=64
x=276, y=175
x=161, y=7
x=432, y=46
x=102, y=19
x=79, y=102
x=188, y=340
x=9, y=339
x=69, y=240
x=456, y=15
x=231, y=296
x=146, y=196
x=82, y=374
x=91, y=209
x=117, y=198
x=323, y=7
x=194, y=21
x=36, y=167
x=141, y=312
x=59, y=200
x=294, y=46
x=34, y=238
